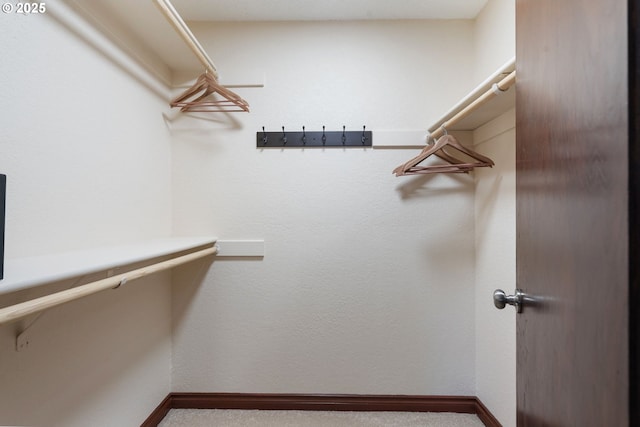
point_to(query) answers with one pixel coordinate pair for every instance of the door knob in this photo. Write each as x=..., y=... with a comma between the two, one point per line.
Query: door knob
x=501, y=299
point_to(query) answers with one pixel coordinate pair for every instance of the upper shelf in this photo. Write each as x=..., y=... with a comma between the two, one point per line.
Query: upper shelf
x=491, y=108
x=28, y=272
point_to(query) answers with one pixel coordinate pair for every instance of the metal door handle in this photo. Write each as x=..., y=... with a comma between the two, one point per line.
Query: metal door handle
x=501, y=299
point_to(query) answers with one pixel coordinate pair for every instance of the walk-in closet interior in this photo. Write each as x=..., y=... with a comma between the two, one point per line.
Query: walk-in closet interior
x=231, y=255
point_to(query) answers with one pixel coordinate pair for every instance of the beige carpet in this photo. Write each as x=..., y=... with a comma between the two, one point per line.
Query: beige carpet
x=253, y=418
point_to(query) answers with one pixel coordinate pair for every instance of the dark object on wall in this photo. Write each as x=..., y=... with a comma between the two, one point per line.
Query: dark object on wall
x=343, y=138
x=3, y=192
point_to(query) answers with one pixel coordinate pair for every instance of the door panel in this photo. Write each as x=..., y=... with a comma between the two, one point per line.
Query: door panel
x=572, y=212
x=634, y=209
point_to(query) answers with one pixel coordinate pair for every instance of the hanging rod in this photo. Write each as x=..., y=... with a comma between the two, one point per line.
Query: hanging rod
x=183, y=30
x=496, y=76
x=496, y=90
x=16, y=311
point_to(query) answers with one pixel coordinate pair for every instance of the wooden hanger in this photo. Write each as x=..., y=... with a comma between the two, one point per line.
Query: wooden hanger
x=438, y=148
x=204, y=90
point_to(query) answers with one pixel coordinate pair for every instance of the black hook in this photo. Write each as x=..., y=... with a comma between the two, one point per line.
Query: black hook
x=344, y=137
x=324, y=137
x=364, y=138
x=284, y=136
x=264, y=136
x=304, y=136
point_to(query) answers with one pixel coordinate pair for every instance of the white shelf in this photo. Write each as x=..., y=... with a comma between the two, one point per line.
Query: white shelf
x=29, y=272
x=489, y=111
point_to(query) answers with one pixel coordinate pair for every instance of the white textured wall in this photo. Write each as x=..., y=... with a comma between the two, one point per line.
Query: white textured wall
x=496, y=268
x=87, y=156
x=367, y=285
x=494, y=38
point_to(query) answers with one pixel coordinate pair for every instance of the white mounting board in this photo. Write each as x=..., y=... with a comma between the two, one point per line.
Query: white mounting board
x=236, y=248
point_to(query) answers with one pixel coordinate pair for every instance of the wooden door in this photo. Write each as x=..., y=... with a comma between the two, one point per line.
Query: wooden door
x=572, y=131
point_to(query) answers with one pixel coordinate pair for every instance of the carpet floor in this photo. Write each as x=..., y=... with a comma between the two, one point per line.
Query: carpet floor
x=255, y=418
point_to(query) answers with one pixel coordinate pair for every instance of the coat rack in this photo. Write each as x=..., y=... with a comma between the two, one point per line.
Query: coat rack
x=323, y=138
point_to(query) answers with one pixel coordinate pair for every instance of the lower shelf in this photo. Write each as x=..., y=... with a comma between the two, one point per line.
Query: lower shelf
x=29, y=272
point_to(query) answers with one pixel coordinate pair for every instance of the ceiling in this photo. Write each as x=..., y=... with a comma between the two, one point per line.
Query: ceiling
x=305, y=10
x=141, y=21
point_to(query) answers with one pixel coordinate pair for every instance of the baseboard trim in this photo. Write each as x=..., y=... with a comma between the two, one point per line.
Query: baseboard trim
x=485, y=415
x=159, y=413
x=322, y=402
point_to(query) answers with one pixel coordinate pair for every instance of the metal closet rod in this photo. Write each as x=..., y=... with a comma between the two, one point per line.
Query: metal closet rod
x=37, y=305
x=496, y=90
x=183, y=30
